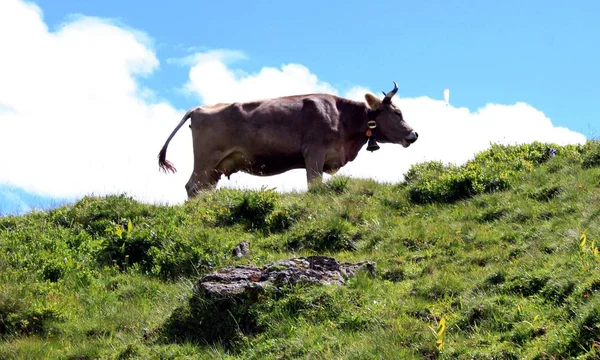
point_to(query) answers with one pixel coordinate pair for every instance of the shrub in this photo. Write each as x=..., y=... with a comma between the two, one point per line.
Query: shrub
x=126, y=245
x=527, y=284
x=16, y=318
x=496, y=278
x=491, y=215
x=494, y=313
x=336, y=185
x=491, y=170
x=250, y=208
x=53, y=270
x=590, y=154
x=284, y=217
x=167, y=255
x=333, y=234
x=545, y=193
x=395, y=275
x=193, y=255
x=455, y=183
x=417, y=172
x=94, y=215
x=558, y=290
x=205, y=320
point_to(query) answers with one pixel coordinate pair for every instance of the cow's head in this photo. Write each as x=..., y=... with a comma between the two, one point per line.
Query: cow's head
x=391, y=126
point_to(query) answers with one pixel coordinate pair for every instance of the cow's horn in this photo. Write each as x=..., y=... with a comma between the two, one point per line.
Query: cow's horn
x=388, y=96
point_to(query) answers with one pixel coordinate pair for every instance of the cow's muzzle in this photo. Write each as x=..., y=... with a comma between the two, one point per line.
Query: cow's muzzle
x=412, y=137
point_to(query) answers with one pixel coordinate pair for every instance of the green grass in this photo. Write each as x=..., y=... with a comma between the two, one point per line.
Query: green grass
x=504, y=249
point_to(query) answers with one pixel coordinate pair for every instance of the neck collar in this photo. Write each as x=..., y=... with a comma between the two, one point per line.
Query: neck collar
x=371, y=128
x=372, y=114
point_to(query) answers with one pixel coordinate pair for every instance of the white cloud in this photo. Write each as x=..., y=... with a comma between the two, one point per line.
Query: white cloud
x=213, y=81
x=220, y=55
x=77, y=121
x=74, y=119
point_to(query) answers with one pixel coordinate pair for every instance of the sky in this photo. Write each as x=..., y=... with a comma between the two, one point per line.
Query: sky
x=89, y=91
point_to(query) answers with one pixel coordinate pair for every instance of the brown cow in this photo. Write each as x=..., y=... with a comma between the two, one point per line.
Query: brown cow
x=316, y=132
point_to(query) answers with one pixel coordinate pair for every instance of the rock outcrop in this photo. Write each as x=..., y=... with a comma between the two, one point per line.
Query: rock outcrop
x=313, y=269
x=224, y=303
x=241, y=250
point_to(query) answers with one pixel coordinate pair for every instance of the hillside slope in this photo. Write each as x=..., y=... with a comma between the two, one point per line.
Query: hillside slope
x=494, y=259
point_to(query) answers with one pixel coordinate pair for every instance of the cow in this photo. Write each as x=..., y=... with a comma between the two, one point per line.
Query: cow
x=317, y=132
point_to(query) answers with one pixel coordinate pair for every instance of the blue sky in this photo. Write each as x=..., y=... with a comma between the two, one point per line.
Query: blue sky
x=544, y=54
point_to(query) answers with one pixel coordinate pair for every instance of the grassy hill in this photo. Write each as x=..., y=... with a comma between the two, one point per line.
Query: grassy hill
x=495, y=259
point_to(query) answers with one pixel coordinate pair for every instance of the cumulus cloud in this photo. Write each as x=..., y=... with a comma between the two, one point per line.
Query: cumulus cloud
x=219, y=55
x=74, y=119
x=214, y=81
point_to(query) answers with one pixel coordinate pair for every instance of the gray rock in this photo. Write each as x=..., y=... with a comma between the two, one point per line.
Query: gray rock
x=247, y=278
x=222, y=307
x=241, y=249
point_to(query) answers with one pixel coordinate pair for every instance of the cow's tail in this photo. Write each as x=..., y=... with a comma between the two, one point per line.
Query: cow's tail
x=163, y=163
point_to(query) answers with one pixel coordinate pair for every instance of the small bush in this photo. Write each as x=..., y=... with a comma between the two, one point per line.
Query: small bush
x=395, y=275
x=227, y=320
x=17, y=318
x=94, y=214
x=496, y=278
x=492, y=215
x=53, y=270
x=545, y=193
x=455, y=183
x=166, y=255
x=126, y=245
x=223, y=321
x=527, y=285
x=491, y=170
x=335, y=185
x=250, y=208
x=174, y=259
x=495, y=313
x=331, y=235
x=590, y=154
x=283, y=218
x=557, y=291
x=420, y=171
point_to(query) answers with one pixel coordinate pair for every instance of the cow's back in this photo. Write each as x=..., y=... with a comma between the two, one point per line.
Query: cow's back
x=282, y=123
x=270, y=133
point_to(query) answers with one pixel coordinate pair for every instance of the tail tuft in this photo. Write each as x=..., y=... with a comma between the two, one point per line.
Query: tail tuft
x=163, y=163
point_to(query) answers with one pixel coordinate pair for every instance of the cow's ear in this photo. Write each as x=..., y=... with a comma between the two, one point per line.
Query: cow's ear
x=373, y=102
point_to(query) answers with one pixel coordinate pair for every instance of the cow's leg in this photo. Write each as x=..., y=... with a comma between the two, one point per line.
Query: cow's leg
x=314, y=161
x=202, y=180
